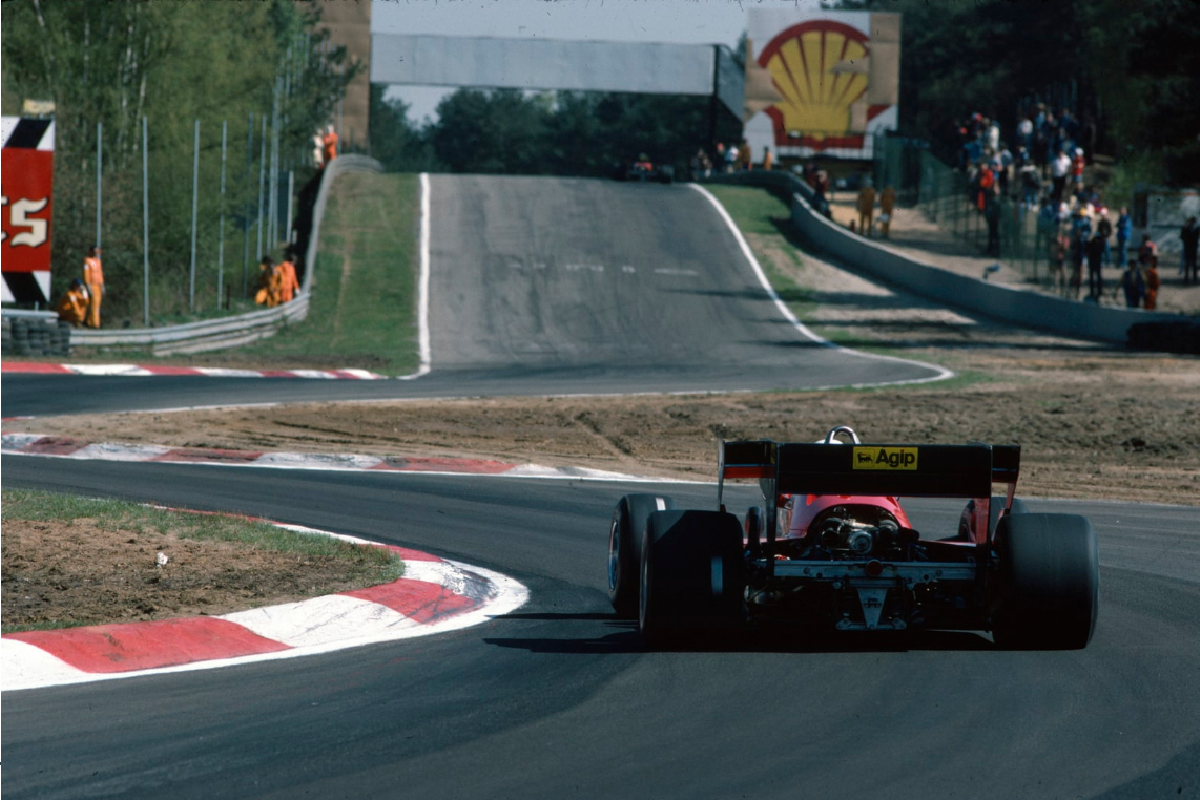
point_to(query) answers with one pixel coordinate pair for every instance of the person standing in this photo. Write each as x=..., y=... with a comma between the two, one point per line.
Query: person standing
x=887, y=202
x=330, y=141
x=1059, y=245
x=768, y=159
x=266, y=271
x=1148, y=252
x=93, y=276
x=1077, y=166
x=986, y=181
x=1003, y=162
x=1081, y=231
x=1124, y=231
x=1095, y=259
x=1104, y=230
x=318, y=151
x=1152, y=282
x=1132, y=284
x=288, y=283
x=866, y=208
x=1058, y=174
x=991, y=213
x=1190, y=234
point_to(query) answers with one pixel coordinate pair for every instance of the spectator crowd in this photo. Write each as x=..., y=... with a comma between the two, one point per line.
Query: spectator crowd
x=1046, y=176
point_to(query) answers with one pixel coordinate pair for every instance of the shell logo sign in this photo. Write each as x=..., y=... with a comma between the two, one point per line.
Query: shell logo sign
x=834, y=79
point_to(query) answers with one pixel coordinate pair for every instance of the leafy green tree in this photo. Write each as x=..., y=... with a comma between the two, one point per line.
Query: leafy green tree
x=571, y=133
x=490, y=132
x=1133, y=67
x=172, y=63
x=395, y=141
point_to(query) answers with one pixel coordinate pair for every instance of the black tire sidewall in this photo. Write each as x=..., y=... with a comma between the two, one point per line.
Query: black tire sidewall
x=626, y=532
x=692, y=576
x=1049, y=587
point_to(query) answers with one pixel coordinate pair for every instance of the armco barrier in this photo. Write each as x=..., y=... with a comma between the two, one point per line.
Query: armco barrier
x=1025, y=308
x=218, y=334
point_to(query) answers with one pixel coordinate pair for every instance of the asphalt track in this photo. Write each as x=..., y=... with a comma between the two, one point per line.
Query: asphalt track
x=551, y=286
x=557, y=700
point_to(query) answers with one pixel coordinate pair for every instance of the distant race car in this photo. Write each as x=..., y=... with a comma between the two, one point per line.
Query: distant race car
x=644, y=171
x=832, y=548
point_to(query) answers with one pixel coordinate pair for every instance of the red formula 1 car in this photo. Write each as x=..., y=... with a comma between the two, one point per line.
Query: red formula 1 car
x=832, y=547
x=644, y=171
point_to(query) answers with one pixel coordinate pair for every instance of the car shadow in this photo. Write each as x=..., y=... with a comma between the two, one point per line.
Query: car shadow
x=621, y=636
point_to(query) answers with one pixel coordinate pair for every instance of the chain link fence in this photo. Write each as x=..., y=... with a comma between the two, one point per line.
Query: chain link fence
x=947, y=198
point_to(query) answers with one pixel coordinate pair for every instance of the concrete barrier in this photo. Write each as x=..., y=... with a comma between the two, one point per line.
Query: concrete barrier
x=1028, y=309
x=234, y=331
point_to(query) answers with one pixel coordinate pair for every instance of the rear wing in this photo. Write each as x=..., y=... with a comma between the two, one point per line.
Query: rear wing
x=908, y=470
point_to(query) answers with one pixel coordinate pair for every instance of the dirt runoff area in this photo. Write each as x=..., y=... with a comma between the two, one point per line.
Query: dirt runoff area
x=86, y=572
x=1091, y=425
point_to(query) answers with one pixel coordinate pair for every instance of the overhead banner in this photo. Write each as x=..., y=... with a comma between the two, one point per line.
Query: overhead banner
x=542, y=64
x=826, y=81
x=28, y=176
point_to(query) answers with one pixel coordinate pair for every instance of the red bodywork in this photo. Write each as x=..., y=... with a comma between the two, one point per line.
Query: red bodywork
x=800, y=511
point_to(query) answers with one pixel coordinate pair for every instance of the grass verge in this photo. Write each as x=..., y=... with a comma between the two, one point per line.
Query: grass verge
x=70, y=561
x=761, y=215
x=363, y=311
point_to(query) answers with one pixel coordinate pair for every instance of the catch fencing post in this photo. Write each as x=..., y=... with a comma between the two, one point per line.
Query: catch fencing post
x=262, y=176
x=246, y=214
x=221, y=245
x=245, y=218
x=145, y=227
x=99, y=181
x=195, y=199
x=291, y=190
x=273, y=203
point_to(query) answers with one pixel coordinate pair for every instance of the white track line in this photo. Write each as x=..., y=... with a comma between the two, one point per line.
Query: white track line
x=942, y=372
x=423, y=285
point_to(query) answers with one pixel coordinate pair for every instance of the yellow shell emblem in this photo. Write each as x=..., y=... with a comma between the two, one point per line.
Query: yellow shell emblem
x=819, y=69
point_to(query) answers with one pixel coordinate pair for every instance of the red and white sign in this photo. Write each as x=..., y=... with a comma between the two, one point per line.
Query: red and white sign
x=27, y=205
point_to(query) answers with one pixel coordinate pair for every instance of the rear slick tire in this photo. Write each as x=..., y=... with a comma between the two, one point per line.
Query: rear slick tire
x=692, y=578
x=625, y=548
x=1049, y=592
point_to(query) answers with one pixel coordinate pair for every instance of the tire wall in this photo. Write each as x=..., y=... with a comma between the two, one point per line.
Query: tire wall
x=35, y=336
x=1027, y=309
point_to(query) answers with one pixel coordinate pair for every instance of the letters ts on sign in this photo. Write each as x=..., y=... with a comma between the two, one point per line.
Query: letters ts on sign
x=26, y=206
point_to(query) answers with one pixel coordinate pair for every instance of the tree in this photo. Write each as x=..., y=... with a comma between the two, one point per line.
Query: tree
x=172, y=63
x=395, y=141
x=498, y=131
x=1134, y=67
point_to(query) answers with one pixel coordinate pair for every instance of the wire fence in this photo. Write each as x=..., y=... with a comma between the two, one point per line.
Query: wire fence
x=947, y=197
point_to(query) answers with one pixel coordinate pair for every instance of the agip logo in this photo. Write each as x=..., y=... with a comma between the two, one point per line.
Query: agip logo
x=890, y=458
